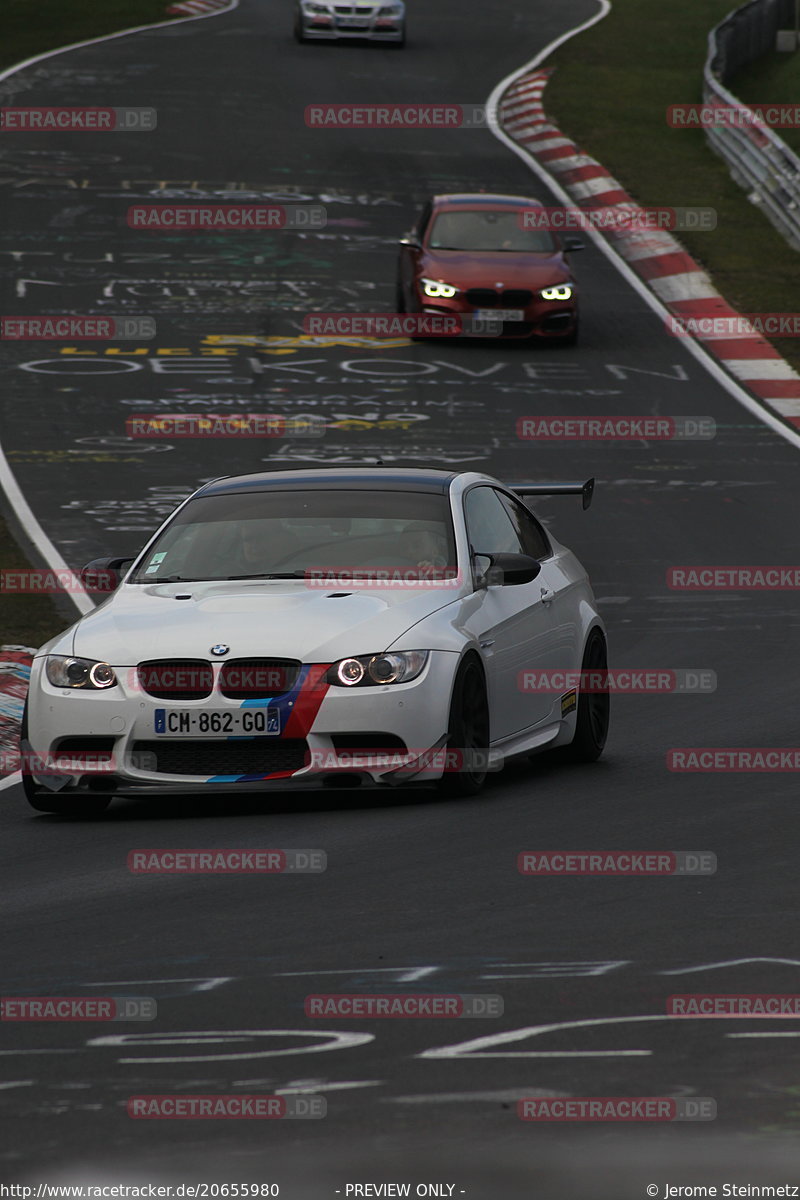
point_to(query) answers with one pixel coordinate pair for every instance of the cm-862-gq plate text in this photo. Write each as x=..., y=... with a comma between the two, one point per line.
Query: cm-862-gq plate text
x=174, y=722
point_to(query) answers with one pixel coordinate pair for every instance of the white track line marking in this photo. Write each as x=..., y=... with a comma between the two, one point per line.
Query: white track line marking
x=8, y=482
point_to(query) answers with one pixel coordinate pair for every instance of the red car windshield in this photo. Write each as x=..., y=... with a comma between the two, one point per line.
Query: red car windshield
x=488, y=229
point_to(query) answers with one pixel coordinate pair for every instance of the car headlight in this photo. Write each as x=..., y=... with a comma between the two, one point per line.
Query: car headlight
x=316, y=8
x=389, y=10
x=559, y=291
x=79, y=673
x=432, y=287
x=372, y=670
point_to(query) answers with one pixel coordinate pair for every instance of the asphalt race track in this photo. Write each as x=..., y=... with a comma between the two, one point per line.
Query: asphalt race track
x=419, y=894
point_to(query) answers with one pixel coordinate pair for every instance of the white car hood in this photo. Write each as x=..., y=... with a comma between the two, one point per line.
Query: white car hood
x=284, y=619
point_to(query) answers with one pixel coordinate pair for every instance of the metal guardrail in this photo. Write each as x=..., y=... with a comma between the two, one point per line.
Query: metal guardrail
x=758, y=159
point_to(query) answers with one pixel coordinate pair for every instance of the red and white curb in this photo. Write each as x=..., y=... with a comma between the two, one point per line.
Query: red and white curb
x=195, y=8
x=682, y=286
x=15, y=673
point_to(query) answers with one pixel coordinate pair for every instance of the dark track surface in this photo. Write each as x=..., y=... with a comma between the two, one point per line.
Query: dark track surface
x=412, y=882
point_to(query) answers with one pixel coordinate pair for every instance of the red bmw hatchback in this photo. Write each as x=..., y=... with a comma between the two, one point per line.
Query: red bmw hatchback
x=472, y=254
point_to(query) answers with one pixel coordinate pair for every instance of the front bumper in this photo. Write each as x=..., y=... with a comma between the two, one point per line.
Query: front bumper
x=323, y=28
x=106, y=742
x=541, y=319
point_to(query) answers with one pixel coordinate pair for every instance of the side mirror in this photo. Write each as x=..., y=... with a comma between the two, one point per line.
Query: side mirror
x=573, y=243
x=411, y=239
x=506, y=570
x=103, y=574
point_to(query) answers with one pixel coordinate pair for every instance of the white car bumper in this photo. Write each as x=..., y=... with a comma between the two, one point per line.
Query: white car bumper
x=335, y=27
x=326, y=735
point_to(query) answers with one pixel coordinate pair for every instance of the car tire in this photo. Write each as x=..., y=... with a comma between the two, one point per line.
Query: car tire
x=401, y=307
x=299, y=35
x=591, y=724
x=467, y=729
x=52, y=802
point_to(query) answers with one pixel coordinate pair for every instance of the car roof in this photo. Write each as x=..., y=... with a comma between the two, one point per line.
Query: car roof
x=500, y=199
x=385, y=479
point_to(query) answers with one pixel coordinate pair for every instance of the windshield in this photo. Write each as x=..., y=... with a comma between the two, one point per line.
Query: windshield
x=482, y=229
x=288, y=533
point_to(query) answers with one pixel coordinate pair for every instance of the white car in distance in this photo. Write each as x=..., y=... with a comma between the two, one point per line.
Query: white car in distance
x=333, y=20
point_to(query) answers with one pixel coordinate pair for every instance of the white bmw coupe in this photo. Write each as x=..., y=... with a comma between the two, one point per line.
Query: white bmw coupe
x=327, y=627
x=330, y=20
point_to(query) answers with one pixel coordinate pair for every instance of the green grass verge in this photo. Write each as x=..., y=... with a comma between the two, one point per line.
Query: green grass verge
x=610, y=93
x=33, y=26
x=30, y=27
x=775, y=79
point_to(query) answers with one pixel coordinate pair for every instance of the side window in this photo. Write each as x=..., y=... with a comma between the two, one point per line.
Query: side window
x=530, y=533
x=422, y=223
x=489, y=526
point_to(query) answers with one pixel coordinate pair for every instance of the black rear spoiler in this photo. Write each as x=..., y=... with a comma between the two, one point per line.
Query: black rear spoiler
x=586, y=490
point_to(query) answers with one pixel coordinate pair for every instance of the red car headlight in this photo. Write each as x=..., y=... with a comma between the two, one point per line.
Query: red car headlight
x=559, y=291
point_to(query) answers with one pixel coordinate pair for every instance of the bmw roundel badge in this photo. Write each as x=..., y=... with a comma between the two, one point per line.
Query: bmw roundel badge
x=220, y=649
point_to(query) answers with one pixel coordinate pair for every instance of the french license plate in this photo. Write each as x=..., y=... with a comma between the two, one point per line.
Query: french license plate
x=355, y=22
x=177, y=722
x=499, y=314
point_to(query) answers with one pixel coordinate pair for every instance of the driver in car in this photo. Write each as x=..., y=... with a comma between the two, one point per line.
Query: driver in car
x=424, y=547
x=253, y=550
